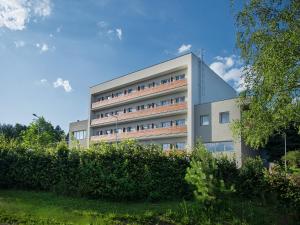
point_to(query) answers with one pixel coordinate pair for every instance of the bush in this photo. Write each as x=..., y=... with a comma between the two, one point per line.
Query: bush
x=292, y=158
x=129, y=172
x=284, y=187
x=251, y=181
x=204, y=177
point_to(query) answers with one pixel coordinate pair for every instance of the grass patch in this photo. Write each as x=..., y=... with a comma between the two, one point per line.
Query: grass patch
x=24, y=207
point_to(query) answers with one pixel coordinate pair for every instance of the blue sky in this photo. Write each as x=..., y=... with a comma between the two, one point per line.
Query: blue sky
x=52, y=51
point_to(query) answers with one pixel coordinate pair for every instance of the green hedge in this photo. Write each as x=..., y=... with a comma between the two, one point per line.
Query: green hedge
x=129, y=172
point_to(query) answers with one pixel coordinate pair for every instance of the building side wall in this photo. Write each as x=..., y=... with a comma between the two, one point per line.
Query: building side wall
x=78, y=126
x=216, y=131
x=214, y=87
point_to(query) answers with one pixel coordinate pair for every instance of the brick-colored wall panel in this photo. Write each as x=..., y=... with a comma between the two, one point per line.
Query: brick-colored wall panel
x=147, y=91
x=142, y=133
x=141, y=113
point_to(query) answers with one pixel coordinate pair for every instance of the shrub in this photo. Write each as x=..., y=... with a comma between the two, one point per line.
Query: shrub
x=227, y=170
x=293, y=158
x=203, y=176
x=251, y=181
x=129, y=172
x=284, y=187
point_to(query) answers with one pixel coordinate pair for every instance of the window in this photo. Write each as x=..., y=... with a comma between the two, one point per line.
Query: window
x=204, y=120
x=180, y=145
x=141, y=87
x=179, y=99
x=166, y=147
x=224, y=117
x=180, y=77
x=166, y=124
x=79, y=135
x=165, y=81
x=165, y=102
x=180, y=122
x=129, y=90
x=219, y=146
x=129, y=129
x=151, y=85
x=129, y=110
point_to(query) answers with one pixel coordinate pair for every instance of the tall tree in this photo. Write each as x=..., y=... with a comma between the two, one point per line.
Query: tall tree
x=12, y=132
x=269, y=41
x=41, y=133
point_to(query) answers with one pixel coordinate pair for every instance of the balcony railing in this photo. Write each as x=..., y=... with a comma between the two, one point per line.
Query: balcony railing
x=140, y=114
x=148, y=91
x=142, y=134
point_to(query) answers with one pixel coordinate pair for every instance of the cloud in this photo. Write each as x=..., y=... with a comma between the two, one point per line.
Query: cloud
x=43, y=81
x=184, y=48
x=230, y=69
x=62, y=83
x=58, y=29
x=119, y=33
x=15, y=14
x=42, y=8
x=104, y=29
x=43, y=47
x=19, y=44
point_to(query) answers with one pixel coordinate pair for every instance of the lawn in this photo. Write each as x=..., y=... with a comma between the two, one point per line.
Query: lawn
x=24, y=207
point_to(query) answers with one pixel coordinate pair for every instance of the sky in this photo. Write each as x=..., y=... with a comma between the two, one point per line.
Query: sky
x=52, y=51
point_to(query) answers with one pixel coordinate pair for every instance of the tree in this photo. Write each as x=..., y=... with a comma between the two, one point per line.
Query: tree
x=12, y=132
x=268, y=38
x=41, y=133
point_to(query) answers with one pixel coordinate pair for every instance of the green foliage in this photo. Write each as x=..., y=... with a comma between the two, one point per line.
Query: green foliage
x=41, y=134
x=292, y=158
x=269, y=38
x=20, y=207
x=251, y=182
x=284, y=186
x=227, y=170
x=129, y=172
x=12, y=132
x=275, y=145
x=203, y=176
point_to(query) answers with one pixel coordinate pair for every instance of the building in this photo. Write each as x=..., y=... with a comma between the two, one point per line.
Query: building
x=173, y=103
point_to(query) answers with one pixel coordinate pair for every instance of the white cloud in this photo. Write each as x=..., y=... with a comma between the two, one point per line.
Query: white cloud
x=15, y=14
x=43, y=47
x=58, y=29
x=43, y=81
x=184, y=48
x=42, y=7
x=19, y=44
x=230, y=69
x=119, y=33
x=104, y=29
x=62, y=83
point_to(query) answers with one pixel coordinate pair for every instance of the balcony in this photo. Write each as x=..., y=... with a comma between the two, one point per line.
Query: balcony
x=148, y=92
x=162, y=132
x=138, y=115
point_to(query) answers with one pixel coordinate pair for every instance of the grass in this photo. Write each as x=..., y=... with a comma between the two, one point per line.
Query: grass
x=24, y=207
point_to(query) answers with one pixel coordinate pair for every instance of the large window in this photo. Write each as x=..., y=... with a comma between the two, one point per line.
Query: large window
x=166, y=147
x=204, y=120
x=223, y=146
x=180, y=77
x=180, y=145
x=166, y=124
x=165, y=102
x=179, y=99
x=224, y=117
x=180, y=122
x=79, y=135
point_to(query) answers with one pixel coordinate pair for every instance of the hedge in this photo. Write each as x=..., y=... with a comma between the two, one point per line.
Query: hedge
x=129, y=172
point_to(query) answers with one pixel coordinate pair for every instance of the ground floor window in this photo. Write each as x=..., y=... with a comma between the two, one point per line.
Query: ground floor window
x=223, y=146
x=180, y=145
